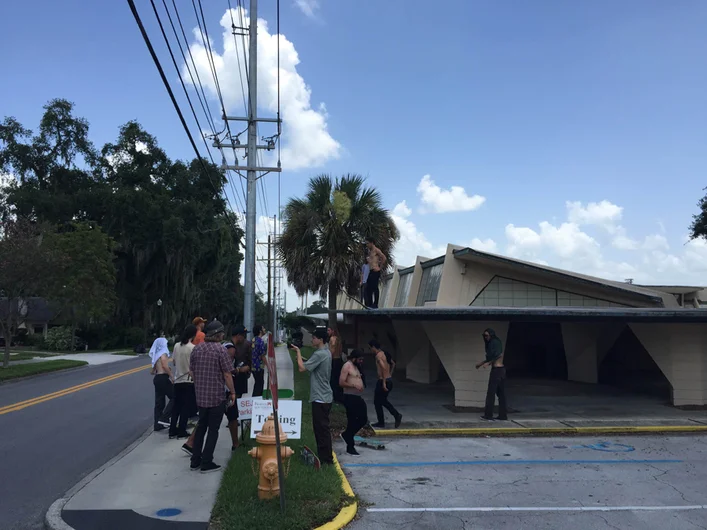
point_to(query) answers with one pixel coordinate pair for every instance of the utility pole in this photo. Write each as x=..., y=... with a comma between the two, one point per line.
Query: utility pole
x=252, y=169
x=270, y=298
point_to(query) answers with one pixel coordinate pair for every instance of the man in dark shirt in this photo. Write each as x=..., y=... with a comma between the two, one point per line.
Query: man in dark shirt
x=211, y=368
x=497, y=378
x=240, y=352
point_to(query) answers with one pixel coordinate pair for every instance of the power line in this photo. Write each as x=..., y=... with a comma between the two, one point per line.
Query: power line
x=181, y=80
x=131, y=3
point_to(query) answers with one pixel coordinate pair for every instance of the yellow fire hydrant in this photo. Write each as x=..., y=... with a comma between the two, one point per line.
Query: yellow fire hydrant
x=266, y=453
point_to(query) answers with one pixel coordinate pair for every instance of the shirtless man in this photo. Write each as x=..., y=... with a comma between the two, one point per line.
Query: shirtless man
x=497, y=378
x=376, y=262
x=385, y=366
x=356, y=411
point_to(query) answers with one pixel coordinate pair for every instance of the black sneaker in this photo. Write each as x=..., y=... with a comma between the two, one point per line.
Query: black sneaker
x=163, y=423
x=378, y=425
x=210, y=467
x=486, y=418
x=188, y=450
x=182, y=435
x=499, y=418
x=398, y=420
x=194, y=467
x=159, y=428
x=352, y=451
x=172, y=436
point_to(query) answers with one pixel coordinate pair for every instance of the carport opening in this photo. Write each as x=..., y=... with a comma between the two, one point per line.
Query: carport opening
x=535, y=350
x=629, y=366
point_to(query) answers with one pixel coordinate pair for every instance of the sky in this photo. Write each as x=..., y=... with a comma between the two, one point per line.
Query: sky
x=572, y=134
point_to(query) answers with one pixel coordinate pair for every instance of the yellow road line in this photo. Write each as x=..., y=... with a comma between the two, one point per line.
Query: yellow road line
x=348, y=512
x=41, y=399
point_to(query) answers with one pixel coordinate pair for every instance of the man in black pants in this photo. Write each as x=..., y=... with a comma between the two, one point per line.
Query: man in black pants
x=497, y=378
x=320, y=393
x=376, y=262
x=211, y=367
x=351, y=381
x=384, y=386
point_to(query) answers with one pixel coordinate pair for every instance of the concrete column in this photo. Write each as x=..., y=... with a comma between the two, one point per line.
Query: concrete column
x=415, y=353
x=460, y=346
x=679, y=351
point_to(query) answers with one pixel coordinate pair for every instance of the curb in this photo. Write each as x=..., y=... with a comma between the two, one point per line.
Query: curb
x=53, y=519
x=516, y=431
x=348, y=512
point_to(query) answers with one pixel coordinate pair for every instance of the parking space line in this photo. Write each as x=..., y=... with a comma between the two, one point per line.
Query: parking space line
x=515, y=462
x=545, y=509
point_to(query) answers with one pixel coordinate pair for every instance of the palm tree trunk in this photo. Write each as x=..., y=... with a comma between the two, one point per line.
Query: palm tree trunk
x=333, y=293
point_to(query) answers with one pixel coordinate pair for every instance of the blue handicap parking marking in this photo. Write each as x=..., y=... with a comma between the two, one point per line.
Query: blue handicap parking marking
x=608, y=447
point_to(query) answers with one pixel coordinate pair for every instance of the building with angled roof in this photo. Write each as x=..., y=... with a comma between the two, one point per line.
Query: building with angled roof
x=554, y=324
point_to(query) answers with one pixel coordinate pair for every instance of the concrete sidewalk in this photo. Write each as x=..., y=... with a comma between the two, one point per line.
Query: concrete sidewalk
x=534, y=404
x=150, y=485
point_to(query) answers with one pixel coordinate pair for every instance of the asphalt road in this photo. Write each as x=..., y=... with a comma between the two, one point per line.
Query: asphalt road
x=645, y=483
x=46, y=448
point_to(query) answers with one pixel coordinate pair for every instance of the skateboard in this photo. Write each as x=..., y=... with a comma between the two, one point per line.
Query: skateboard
x=309, y=458
x=369, y=442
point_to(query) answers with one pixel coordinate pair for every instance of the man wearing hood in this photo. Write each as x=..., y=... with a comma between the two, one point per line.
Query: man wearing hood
x=497, y=378
x=159, y=355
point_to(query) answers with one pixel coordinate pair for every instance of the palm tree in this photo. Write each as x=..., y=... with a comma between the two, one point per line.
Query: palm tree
x=322, y=242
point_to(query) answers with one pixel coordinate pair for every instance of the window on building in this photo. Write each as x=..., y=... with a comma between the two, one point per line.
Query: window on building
x=401, y=297
x=505, y=292
x=429, y=286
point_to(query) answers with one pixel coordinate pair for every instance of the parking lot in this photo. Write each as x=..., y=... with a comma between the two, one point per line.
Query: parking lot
x=561, y=483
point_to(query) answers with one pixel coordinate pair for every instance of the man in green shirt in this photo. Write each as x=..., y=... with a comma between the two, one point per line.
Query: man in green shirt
x=320, y=393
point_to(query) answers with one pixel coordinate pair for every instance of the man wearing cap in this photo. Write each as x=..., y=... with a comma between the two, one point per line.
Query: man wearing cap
x=211, y=368
x=239, y=350
x=199, y=322
x=320, y=393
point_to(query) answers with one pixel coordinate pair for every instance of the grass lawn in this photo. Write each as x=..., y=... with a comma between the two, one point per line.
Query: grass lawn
x=24, y=370
x=313, y=497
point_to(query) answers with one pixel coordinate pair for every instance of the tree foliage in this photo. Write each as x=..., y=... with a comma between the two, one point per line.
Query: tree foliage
x=322, y=243
x=82, y=279
x=24, y=260
x=173, y=237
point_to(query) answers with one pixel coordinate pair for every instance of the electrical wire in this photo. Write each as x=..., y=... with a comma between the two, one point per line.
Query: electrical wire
x=181, y=80
x=156, y=60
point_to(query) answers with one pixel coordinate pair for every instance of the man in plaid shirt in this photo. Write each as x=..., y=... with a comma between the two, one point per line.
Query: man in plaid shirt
x=211, y=369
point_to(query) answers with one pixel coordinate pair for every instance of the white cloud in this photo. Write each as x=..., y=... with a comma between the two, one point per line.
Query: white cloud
x=438, y=200
x=402, y=210
x=412, y=242
x=484, y=245
x=306, y=140
x=656, y=242
x=621, y=241
x=602, y=213
x=308, y=7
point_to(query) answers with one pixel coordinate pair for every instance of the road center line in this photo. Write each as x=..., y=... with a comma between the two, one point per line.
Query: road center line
x=515, y=462
x=545, y=509
x=41, y=399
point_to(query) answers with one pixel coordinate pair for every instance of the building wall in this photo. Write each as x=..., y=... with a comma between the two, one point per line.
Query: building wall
x=463, y=280
x=415, y=353
x=680, y=352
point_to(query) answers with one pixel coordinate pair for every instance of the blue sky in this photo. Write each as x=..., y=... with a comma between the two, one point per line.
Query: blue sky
x=583, y=125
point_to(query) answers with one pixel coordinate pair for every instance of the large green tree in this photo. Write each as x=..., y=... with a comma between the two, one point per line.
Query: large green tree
x=175, y=238
x=82, y=280
x=324, y=233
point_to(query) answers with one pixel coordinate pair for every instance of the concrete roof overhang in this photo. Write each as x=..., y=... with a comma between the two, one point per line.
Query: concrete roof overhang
x=532, y=314
x=469, y=254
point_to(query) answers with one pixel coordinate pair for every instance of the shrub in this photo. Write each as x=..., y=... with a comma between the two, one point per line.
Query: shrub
x=58, y=339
